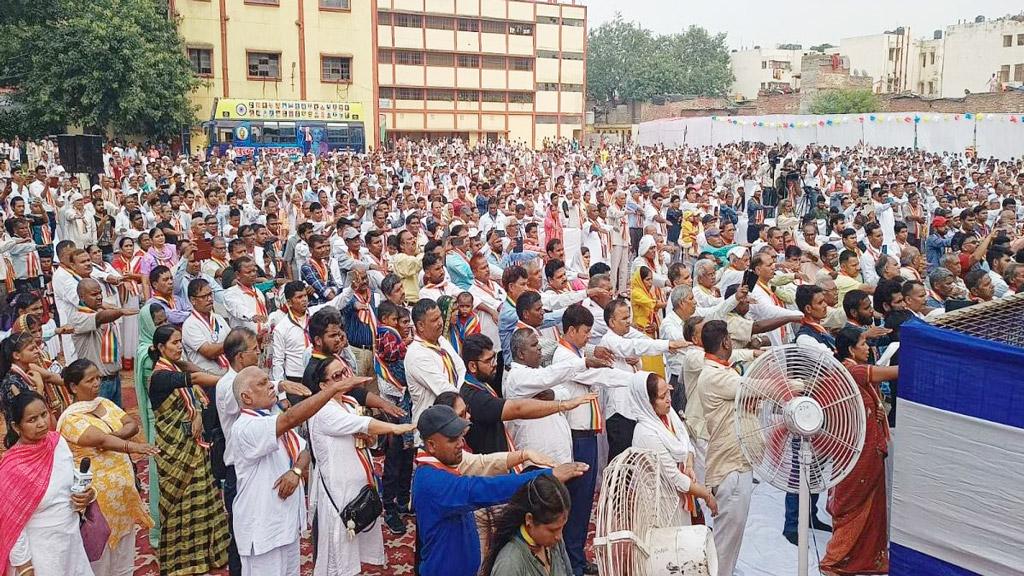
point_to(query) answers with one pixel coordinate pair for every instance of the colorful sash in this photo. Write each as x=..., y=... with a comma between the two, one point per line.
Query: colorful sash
x=290, y=440
x=192, y=396
x=211, y=324
x=108, y=337
x=424, y=459
x=459, y=330
x=446, y=359
x=596, y=418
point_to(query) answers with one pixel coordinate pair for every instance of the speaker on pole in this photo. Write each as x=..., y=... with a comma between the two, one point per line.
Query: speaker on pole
x=81, y=153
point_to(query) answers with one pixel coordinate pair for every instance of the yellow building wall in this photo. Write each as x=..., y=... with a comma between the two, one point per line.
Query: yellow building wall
x=520, y=11
x=546, y=101
x=547, y=69
x=440, y=77
x=493, y=79
x=520, y=128
x=492, y=8
x=440, y=40
x=493, y=43
x=467, y=7
x=519, y=80
x=440, y=6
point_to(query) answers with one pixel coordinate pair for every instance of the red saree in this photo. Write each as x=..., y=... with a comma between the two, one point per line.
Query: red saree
x=860, y=538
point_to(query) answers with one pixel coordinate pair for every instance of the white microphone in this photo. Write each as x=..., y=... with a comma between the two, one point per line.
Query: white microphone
x=83, y=477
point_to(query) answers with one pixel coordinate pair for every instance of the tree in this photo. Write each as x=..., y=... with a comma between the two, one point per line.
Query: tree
x=844, y=102
x=102, y=64
x=627, y=62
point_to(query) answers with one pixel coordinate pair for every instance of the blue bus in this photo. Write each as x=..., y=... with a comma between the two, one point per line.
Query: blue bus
x=253, y=127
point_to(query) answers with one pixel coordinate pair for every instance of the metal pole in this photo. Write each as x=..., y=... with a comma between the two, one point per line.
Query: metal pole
x=805, y=507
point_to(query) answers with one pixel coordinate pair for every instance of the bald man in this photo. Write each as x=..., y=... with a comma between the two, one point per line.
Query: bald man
x=270, y=463
x=95, y=336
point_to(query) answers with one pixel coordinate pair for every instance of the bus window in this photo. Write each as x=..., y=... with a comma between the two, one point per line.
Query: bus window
x=337, y=134
x=285, y=133
x=356, y=136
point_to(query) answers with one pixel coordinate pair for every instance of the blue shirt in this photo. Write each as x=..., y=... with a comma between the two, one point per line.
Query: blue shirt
x=935, y=247
x=459, y=270
x=444, y=504
x=359, y=334
x=507, y=326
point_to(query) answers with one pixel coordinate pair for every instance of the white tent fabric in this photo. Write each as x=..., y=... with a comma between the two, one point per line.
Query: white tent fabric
x=993, y=135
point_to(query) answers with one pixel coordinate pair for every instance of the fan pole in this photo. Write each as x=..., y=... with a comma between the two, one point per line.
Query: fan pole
x=805, y=506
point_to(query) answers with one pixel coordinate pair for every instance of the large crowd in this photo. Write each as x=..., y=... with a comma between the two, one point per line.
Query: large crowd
x=449, y=338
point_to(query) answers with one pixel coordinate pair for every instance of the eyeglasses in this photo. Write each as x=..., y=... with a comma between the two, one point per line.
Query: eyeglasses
x=204, y=295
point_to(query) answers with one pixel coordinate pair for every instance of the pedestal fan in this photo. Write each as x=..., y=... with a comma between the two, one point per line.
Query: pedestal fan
x=800, y=423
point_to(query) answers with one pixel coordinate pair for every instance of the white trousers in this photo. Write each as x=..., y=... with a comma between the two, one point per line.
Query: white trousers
x=733, y=496
x=281, y=561
x=620, y=268
x=117, y=562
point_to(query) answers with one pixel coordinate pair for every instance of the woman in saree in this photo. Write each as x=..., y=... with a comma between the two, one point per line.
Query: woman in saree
x=98, y=429
x=127, y=263
x=647, y=305
x=193, y=523
x=860, y=539
x=150, y=317
x=160, y=253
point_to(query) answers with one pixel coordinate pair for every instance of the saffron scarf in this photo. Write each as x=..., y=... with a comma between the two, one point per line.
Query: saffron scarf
x=461, y=328
x=109, y=352
x=26, y=470
x=192, y=396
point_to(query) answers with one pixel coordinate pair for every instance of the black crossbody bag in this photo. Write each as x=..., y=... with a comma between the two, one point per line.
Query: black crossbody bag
x=359, y=514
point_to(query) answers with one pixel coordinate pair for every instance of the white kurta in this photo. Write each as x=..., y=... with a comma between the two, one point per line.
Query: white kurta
x=51, y=539
x=332, y=432
x=65, y=294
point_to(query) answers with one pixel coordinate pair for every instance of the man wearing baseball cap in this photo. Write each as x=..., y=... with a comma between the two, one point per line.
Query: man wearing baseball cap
x=938, y=241
x=444, y=500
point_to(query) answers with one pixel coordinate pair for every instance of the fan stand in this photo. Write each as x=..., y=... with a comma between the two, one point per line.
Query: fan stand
x=804, y=509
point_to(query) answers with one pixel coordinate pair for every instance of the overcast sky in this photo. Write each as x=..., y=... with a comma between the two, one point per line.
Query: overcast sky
x=808, y=22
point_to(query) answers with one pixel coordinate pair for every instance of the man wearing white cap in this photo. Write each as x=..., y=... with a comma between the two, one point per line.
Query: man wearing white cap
x=77, y=227
x=739, y=261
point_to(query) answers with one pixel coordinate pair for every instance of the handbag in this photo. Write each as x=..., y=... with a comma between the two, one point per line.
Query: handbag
x=95, y=531
x=362, y=512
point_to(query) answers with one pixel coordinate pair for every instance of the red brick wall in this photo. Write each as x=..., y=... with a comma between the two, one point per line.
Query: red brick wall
x=688, y=108
x=1000, y=102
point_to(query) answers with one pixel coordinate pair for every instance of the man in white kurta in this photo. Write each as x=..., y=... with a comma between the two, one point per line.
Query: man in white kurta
x=65, y=293
x=765, y=305
x=431, y=364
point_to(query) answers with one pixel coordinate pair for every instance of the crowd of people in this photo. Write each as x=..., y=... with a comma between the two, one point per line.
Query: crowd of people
x=450, y=338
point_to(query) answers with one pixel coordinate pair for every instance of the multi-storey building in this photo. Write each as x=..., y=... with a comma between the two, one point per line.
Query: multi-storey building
x=764, y=70
x=350, y=71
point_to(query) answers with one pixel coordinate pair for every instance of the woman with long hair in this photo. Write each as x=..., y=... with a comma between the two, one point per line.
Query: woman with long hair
x=160, y=253
x=21, y=371
x=127, y=263
x=343, y=468
x=104, y=273
x=150, y=317
x=527, y=535
x=860, y=537
x=40, y=534
x=193, y=524
x=96, y=428
x=647, y=305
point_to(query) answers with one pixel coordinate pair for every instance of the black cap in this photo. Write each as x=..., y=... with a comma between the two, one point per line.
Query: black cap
x=441, y=419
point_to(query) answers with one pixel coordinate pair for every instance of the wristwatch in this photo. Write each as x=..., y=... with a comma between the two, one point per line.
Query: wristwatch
x=297, y=471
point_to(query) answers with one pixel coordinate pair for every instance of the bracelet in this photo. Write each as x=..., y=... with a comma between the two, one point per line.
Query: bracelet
x=127, y=450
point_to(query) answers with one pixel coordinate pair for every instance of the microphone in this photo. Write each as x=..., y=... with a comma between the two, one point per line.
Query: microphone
x=83, y=477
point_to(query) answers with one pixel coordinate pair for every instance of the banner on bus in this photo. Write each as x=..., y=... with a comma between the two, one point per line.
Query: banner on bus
x=248, y=109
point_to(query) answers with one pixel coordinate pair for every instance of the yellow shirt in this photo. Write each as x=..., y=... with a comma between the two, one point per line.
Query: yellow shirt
x=408, y=268
x=845, y=284
x=718, y=385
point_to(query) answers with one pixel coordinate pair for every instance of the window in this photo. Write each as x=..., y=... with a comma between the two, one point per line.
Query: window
x=572, y=22
x=386, y=93
x=547, y=19
x=520, y=97
x=520, y=29
x=384, y=18
x=931, y=87
x=920, y=87
x=1020, y=39
x=468, y=25
x=1004, y=73
x=469, y=95
x=267, y=2
x=336, y=4
x=932, y=56
x=493, y=62
x=409, y=20
x=547, y=54
x=278, y=133
x=493, y=27
x=1007, y=40
x=521, y=64
x=764, y=64
x=201, y=59
x=337, y=134
x=547, y=119
x=489, y=96
x=924, y=60
x=469, y=61
x=574, y=119
x=264, y=65
x=892, y=54
x=440, y=23
x=440, y=59
x=408, y=58
x=572, y=87
x=547, y=86
x=441, y=95
x=336, y=68
x=1018, y=73
x=385, y=55
x=409, y=94
x=572, y=56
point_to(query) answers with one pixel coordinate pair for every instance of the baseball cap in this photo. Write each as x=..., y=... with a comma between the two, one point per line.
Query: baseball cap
x=351, y=234
x=939, y=222
x=441, y=419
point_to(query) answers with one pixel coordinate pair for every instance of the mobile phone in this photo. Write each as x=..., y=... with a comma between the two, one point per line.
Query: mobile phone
x=749, y=279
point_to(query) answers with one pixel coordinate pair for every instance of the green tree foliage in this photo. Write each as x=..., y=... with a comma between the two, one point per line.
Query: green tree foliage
x=627, y=62
x=106, y=64
x=844, y=102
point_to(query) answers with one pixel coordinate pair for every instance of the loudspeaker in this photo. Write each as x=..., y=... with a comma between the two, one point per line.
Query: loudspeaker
x=81, y=153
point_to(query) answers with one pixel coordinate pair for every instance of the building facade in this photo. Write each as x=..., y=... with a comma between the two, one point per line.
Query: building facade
x=984, y=56
x=478, y=69
x=769, y=70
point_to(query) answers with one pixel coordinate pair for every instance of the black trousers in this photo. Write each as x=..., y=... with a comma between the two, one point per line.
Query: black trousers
x=397, y=480
x=620, y=434
x=230, y=491
x=678, y=395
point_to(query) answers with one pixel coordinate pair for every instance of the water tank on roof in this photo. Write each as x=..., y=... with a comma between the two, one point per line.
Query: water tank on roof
x=979, y=19
x=937, y=35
